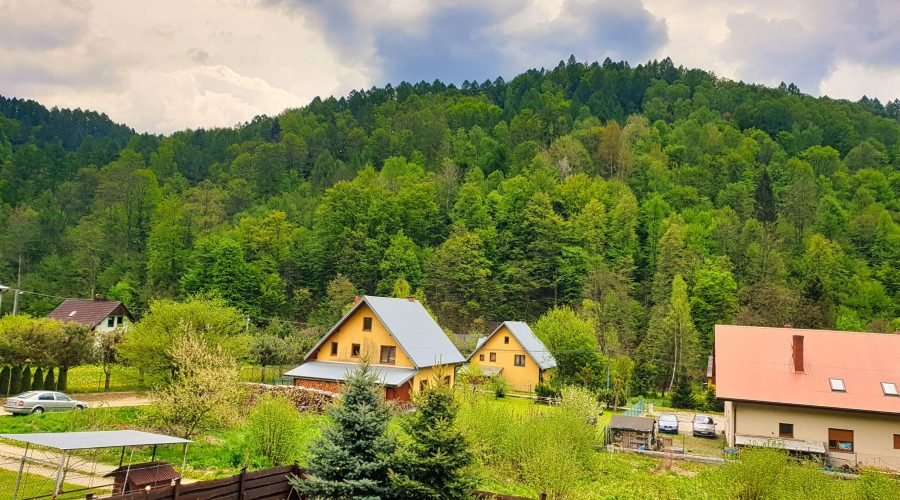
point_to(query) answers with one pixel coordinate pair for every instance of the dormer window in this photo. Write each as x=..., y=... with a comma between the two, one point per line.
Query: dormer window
x=837, y=385
x=889, y=389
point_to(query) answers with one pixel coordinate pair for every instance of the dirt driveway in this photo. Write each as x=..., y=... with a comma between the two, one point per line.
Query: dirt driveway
x=108, y=399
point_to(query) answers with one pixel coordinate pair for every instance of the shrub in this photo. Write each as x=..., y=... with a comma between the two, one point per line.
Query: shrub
x=4, y=380
x=710, y=401
x=25, y=381
x=205, y=391
x=273, y=432
x=580, y=401
x=500, y=386
x=544, y=390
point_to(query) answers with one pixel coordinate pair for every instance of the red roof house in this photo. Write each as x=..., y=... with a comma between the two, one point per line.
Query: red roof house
x=818, y=391
x=99, y=314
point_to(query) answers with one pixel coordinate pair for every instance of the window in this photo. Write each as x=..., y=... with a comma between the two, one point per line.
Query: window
x=46, y=397
x=481, y=357
x=120, y=320
x=493, y=357
x=785, y=430
x=334, y=348
x=354, y=350
x=367, y=324
x=388, y=354
x=111, y=321
x=837, y=385
x=519, y=360
x=62, y=397
x=840, y=440
x=506, y=340
x=447, y=380
x=897, y=441
x=889, y=389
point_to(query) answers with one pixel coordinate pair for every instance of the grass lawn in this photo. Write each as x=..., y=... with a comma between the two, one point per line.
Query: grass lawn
x=214, y=454
x=33, y=486
x=90, y=378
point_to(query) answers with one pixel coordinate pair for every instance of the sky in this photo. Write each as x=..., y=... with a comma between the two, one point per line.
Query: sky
x=169, y=65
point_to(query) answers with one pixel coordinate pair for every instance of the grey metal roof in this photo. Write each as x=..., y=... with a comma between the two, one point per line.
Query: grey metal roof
x=94, y=439
x=417, y=334
x=533, y=345
x=330, y=370
x=632, y=423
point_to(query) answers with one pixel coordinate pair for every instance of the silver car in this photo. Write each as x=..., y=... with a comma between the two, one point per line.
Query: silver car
x=704, y=425
x=38, y=402
x=668, y=423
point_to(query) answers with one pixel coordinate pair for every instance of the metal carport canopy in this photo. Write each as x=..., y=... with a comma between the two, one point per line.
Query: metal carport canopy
x=94, y=439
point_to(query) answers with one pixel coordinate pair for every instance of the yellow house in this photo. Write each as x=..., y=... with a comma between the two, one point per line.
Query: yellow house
x=514, y=351
x=397, y=337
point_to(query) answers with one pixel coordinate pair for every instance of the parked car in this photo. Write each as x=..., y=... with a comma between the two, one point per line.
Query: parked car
x=704, y=425
x=668, y=423
x=38, y=402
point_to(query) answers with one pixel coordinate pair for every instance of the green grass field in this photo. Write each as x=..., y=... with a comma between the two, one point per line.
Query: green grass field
x=90, y=378
x=34, y=486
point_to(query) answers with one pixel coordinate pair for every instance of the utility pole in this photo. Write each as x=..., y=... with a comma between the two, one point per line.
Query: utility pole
x=15, y=308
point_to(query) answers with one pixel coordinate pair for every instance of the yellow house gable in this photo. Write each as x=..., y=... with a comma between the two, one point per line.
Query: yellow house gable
x=361, y=334
x=503, y=350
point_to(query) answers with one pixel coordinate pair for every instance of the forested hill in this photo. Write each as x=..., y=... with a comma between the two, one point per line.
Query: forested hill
x=627, y=193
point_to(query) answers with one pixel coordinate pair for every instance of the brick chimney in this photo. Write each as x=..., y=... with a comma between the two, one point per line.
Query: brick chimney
x=798, y=353
x=411, y=298
x=357, y=300
x=97, y=296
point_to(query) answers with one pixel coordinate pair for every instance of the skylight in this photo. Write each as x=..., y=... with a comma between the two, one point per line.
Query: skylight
x=72, y=313
x=837, y=385
x=889, y=389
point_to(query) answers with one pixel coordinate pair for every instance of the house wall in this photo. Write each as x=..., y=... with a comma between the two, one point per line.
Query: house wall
x=521, y=378
x=102, y=328
x=431, y=374
x=351, y=332
x=873, y=434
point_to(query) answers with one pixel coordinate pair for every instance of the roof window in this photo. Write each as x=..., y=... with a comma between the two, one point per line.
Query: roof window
x=889, y=389
x=837, y=385
x=72, y=313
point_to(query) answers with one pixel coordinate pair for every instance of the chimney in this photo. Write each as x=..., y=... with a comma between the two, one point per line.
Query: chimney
x=788, y=325
x=97, y=296
x=357, y=300
x=411, y=298
x=798, y=353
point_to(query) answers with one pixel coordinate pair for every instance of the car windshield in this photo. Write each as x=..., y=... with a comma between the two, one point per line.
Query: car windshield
x=667, y=418
x=703, y=419
x=25, y=395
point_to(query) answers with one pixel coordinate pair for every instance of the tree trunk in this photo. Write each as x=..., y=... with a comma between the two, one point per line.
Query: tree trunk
x=108, y=374
x=674, y=364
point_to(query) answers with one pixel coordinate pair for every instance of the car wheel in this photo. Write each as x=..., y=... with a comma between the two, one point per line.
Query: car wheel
x=37, y=410
x=79, y=407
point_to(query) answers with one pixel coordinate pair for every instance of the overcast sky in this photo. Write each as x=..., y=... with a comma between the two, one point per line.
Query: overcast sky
x=201, y=63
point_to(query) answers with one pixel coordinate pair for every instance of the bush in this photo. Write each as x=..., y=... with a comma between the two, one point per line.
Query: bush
x=49, y=381
x=580, y=401
x=4, y=380
x=543, y=390
x=273, y=432
x=500, y=386
x=204, y=393
x=37, y=379
x=710, y=401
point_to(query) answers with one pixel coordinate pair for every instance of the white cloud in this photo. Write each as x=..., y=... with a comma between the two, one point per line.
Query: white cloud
x=171, y=64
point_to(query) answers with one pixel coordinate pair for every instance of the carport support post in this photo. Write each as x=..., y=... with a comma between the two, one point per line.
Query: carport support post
x=21, y=469
x=183, y=458
x=59, y=473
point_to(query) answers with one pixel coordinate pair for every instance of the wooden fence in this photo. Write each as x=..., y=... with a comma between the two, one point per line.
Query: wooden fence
x=264, y=484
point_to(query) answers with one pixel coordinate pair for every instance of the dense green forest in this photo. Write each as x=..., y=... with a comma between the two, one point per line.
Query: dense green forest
x=650, y=200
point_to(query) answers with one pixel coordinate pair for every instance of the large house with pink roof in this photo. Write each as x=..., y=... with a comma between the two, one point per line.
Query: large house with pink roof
x=814, y=392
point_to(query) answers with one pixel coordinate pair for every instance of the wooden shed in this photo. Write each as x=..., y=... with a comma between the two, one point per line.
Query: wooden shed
x=137, y=477
x=631, y=432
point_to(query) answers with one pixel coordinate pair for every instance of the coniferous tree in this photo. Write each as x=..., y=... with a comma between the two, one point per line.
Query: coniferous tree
x=433, y=463
x=682, y=395
x=50, y=381
x=25, y=381
x=352, y=456
x=765, y=198
x=15, y=379
x=4, y=380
